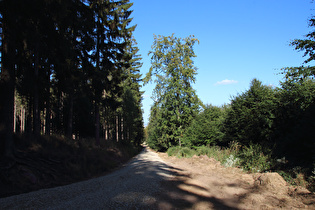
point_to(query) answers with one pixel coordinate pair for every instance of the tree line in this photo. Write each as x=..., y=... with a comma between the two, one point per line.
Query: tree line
x=69, y=68
x=277, y=121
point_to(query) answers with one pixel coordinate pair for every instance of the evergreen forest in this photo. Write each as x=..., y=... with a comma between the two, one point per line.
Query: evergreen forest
x=69, y=90
x=69, y=68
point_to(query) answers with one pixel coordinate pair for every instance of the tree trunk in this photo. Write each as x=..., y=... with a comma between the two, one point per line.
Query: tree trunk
x=47, y=118
x=119, y=127
x=70, y=117
x=14, y=116
x=48, y=112
x=97, y=124
x=7, y=81
x=22, y=118
x=36, y=112
x=117, y=133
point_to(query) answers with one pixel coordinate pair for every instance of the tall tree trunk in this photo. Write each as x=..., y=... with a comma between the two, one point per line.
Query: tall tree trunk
x=97, y=124
x=47, y=118
x=7, y=81
x=106, y=130
x=36, y=112
x=29, y=116
x=97, y=94
x=14, y=116
x=70, y=117
x=48, y=112
x=119, y=127
x=116, y=123
x=22, y=117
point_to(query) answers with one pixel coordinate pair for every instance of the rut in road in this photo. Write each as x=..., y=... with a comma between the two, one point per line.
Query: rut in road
x=133, y=186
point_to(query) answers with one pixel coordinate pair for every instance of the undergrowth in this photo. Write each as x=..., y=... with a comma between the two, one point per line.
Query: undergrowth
x=253, y=158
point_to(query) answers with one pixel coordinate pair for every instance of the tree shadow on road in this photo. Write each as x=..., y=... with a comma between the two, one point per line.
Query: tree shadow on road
x=174, y=192
x=177, y=193
x=177, y=189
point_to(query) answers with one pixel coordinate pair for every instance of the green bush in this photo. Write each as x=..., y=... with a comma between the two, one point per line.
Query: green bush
x=181, y=152
x=254, y=159
x=172, y=151
x=250, y=117
x=203, y=150
x=206, y=128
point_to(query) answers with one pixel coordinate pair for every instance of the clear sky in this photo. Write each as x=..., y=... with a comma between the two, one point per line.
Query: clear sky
x=239, y=40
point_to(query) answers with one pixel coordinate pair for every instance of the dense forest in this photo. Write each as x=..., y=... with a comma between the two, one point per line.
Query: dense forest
x=69, y=68
x=265, y=128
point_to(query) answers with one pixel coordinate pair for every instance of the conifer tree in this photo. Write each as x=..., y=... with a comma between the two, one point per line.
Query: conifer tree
x=68, y=61
x=132, y=97
x=7, y=78
x=111, y=35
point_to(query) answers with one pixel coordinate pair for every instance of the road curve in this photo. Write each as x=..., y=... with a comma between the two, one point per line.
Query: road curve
x=132, y=187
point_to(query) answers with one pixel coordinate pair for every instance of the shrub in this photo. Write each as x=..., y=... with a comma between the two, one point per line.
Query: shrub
x=172, y=151
x=250, y=117
x=181, y=152
x=203, y=150
x=253, y=158
x=205, y=129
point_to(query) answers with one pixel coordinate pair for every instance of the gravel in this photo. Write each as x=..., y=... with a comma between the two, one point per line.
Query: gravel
x=132, y=187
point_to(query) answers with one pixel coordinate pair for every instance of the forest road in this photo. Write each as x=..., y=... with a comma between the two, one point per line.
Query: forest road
x=156, y=181
x=134, y=186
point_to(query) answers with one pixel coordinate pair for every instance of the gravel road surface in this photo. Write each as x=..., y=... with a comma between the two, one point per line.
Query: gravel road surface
x=132, y=187
x=156, y=181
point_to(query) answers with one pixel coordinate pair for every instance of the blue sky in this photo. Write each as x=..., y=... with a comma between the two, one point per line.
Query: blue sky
x=239, y=40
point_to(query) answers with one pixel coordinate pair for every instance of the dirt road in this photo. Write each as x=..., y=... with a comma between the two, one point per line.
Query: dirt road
x=156, y=181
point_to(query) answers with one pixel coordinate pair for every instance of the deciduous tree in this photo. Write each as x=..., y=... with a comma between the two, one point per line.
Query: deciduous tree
x=175, y=101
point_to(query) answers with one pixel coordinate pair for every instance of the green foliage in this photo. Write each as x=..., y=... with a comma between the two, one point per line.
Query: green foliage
x=253, y=158
x=263, y=124
x=307, y=45
x=132, y=96
x=294, y=123
x=251, y=114
x=175, y=101
x=206, y=128
x=203, y=150
x=180, y=152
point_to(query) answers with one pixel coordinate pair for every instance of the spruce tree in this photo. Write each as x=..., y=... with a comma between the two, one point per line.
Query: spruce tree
x=112, y=32
x=7, y=78
x=132, y=96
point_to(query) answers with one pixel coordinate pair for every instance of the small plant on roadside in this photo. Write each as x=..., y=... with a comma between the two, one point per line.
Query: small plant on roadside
x=231, y=161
